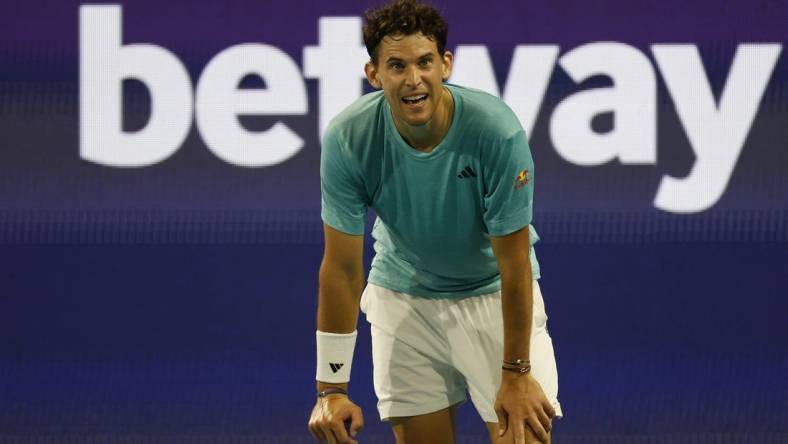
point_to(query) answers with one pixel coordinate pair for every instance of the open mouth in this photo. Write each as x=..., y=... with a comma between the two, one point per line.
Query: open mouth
x=415, y=100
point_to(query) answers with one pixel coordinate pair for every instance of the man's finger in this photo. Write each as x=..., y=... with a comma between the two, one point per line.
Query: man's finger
x=357, y=422
x=519, y=432
x=338, y=427
x=502, y=421
x=536, y=426
x=549, y=409
x=314, y=428
x=327, y=434
x=545, y=420
x=316, y=432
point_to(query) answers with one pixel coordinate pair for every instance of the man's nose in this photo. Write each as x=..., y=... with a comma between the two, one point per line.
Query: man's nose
x=413, y=77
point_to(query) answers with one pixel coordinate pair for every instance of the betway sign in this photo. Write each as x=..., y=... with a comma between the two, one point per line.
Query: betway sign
x=716, y=130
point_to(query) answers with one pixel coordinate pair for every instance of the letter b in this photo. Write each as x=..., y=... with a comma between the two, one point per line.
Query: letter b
x=104, y=63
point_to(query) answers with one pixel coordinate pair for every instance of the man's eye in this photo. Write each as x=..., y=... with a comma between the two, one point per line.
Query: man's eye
x=397, y=66
x=425, y=62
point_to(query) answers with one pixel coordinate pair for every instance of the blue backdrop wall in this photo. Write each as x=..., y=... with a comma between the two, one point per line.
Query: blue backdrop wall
x=160, y=232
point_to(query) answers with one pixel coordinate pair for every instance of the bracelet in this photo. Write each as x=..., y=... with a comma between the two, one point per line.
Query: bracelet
x=332, y=391
x=517, y=362
x=521, y=370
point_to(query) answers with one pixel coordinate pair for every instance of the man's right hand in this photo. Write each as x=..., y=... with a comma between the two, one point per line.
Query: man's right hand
x=327, y=422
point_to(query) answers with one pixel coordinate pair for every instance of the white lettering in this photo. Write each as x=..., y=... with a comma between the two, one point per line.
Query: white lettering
x=219, y=102
x=529, y=76
x=631, y=99
x=526, y=84
x=103, y=64
x=473, y=68
x=716, y=133
x=338, y=63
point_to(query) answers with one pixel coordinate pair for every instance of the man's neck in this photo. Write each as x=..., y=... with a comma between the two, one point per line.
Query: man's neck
x=426, y=137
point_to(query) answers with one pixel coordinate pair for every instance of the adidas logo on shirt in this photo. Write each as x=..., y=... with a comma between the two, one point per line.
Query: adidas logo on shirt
x=467, y=173
x=335, y=367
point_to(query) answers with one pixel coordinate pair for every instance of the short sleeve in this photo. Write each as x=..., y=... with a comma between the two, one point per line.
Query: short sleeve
x=509, y=186
x=343, y=196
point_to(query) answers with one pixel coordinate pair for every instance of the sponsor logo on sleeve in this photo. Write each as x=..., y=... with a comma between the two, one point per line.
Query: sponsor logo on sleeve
x=521, y=179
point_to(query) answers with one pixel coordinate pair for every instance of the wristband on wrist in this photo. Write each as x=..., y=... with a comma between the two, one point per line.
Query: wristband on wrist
x=334, y=356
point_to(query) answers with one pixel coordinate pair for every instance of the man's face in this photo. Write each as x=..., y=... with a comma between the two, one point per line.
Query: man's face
x=411, y=73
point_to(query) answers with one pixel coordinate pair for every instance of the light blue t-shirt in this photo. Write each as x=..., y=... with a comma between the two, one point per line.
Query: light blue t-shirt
x=436, y=211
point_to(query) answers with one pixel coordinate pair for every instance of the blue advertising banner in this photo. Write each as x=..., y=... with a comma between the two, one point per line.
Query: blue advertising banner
x=160, y=211
x=645, y=123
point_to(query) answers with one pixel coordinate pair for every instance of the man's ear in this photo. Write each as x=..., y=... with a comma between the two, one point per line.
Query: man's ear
x=448, y=59
x=372, y=74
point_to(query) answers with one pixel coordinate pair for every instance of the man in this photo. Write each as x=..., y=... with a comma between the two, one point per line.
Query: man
x=452, y=298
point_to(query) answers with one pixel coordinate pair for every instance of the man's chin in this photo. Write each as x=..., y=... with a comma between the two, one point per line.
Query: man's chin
x=417, y=124
x=416, y=121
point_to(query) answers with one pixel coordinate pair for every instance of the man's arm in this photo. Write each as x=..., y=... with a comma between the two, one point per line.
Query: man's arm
x=514, y=264
x=341, y=283
x=520, y=399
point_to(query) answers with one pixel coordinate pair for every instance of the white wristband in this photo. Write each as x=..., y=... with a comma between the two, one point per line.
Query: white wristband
x=335, y=356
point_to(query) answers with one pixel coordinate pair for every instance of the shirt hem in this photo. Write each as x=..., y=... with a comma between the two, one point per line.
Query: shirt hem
x=338, y=224
x=503, y=227
x=486, y=289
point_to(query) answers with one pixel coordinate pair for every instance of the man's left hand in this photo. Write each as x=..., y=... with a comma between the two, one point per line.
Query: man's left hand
x=521, y=401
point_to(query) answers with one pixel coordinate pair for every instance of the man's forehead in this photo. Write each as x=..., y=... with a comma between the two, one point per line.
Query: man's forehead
x=410, y=45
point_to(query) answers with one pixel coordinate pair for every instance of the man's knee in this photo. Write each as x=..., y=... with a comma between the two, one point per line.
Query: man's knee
x=508, y=437
x=431, y=428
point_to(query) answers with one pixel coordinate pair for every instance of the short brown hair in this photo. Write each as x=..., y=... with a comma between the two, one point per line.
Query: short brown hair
x=404, y=17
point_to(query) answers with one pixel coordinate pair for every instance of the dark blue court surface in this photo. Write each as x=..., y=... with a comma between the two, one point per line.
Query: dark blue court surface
x=656, y=343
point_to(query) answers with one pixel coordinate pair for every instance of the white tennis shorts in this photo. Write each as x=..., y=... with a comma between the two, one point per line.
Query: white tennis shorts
x=427, y=353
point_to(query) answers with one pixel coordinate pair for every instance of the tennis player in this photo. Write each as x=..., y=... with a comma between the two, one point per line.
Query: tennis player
x=452, y=296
